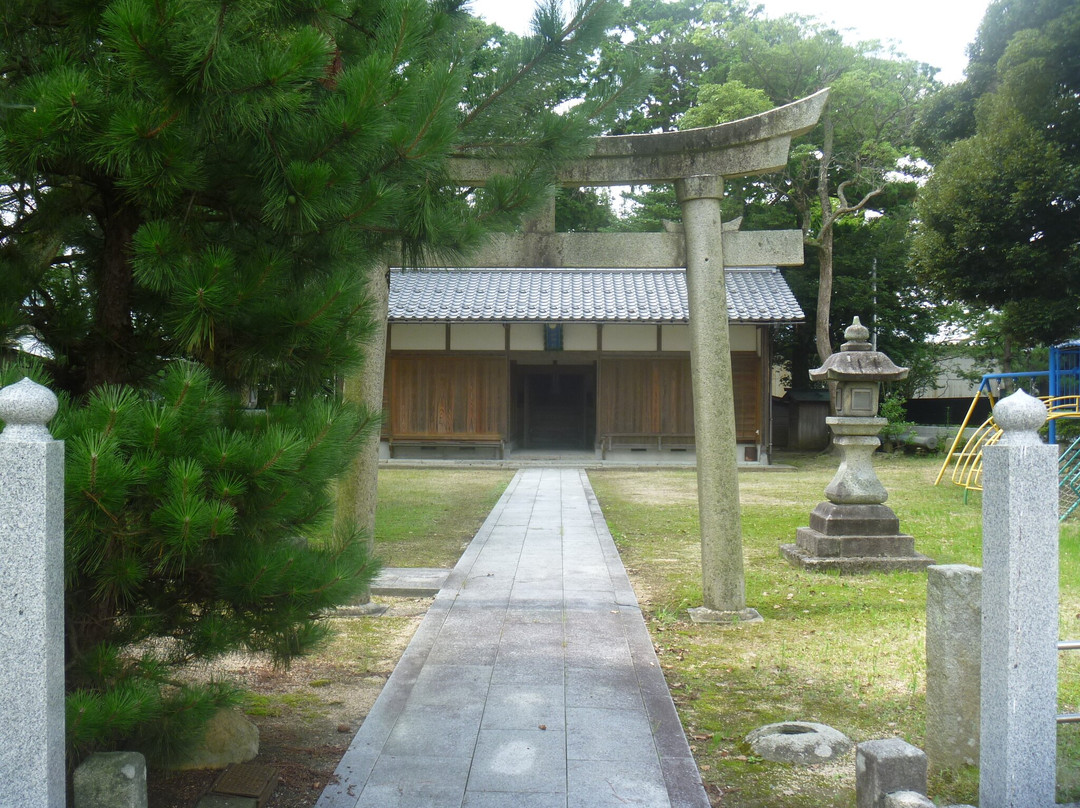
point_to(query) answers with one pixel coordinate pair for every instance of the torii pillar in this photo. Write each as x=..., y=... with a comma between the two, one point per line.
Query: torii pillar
x=723, y=583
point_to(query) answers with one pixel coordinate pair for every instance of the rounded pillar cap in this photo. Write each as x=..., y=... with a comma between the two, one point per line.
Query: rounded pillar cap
x=25, y=408
x=1020, y=417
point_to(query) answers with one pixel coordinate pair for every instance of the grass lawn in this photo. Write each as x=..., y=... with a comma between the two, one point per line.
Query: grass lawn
x=842, y=650
x=426, y=517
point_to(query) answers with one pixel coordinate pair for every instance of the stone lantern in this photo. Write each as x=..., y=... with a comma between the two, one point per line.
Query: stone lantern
x=855, y=531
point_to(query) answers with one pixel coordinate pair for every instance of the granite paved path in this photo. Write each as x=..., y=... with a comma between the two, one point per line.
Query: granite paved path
x=531, y=682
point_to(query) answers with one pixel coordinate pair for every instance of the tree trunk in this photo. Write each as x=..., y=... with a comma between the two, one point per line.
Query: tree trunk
x=825, y=245
x=358, y=489
x=109, y=353
x=822, y=336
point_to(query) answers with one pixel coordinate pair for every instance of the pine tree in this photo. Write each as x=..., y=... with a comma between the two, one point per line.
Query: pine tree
x=192, y=192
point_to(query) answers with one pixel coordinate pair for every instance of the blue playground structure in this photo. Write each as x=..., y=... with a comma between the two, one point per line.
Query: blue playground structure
x=1061, y=393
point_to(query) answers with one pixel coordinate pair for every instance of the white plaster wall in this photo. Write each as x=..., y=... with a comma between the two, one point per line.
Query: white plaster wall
x=477, y=337
x=526, y=336
x=579, y=337
x=417, y=336
x=744, y=338
x=781, y=381
x=635, y=337
x=953, y=378
x=675, y=337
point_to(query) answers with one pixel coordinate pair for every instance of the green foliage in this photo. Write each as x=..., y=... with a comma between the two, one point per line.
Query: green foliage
x=193, y=528
x=211, y=180
x=848, y=163
x=192, y=197
x=895, y=309
x=682, y=42
x=949, y=115
x=997, y=221
x=730, y=101
x=584, y=210
x=892, y=408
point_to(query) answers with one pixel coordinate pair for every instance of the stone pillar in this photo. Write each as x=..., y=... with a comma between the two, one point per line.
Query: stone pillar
x=1017, y=758
x=953, y=662
x=714, y=406
x=358, y=489
x=32, y=763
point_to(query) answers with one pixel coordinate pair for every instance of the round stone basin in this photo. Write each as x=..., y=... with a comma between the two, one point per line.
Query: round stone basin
x=798, y=742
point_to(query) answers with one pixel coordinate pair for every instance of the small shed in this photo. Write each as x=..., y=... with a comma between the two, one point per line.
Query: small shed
x=806, y=412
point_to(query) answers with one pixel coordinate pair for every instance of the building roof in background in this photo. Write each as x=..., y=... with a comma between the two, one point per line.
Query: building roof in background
x=758, y=295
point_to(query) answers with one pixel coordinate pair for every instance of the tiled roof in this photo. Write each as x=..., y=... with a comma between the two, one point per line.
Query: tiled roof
x=758, y=295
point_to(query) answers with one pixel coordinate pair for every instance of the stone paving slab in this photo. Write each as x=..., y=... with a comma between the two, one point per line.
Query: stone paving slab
x=409, y=581
x=532, y=680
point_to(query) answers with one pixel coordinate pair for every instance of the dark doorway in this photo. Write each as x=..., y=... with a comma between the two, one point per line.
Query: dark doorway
x=558, y=406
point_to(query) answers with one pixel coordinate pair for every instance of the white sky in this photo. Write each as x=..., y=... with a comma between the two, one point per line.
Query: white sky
x=933, y=31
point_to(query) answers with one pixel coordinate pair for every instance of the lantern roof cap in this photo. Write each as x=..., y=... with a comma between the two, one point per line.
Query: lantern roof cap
x=857, y=361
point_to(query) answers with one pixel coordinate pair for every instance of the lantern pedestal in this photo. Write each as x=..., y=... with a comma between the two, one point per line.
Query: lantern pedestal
x=854, y=538
x=855, y=531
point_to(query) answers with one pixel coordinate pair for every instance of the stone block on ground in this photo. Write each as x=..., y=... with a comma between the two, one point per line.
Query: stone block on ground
x=798, y=742
x=875, y=519
x=906, y=799
x=230, y=738
x=853, y=565
x=248, y=780
x=110, y=780
x=886, y=766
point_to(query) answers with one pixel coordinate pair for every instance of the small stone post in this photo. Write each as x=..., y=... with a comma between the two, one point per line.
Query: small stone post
x=885, y=767
x=31, y=601
x=111, y=780
x=953, y=659
x=1018, y=743
x=723, y=580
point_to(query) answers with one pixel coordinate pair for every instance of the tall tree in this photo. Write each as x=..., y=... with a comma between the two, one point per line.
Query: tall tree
x=743, y=63
x=684, y=43
x=997, y=222
x=872, y=281
x=848, y=161
x=192, y=195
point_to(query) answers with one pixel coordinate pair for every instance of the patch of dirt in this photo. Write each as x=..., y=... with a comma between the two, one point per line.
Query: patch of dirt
x=655, y=488
x=306, y=715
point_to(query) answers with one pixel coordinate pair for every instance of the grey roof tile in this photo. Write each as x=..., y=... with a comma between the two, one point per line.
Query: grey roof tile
x=757, y=295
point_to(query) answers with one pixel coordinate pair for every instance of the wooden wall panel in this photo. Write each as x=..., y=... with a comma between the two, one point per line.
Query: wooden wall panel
x=677, y=397
x=446, y=395
x=646, y=396
x=746, y=376
x=654, y=396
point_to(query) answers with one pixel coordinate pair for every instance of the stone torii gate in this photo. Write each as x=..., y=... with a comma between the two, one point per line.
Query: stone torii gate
x=697, y=161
